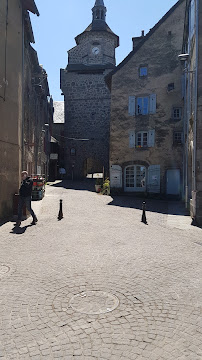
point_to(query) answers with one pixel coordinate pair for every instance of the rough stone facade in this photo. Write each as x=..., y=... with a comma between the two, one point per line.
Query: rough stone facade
x=25, y=106
x=11, y=97
x=192, y=69
x=87, y=100
x=146, y=137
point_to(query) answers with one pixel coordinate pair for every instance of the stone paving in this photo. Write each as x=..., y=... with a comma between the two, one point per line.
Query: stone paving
x=99, y=284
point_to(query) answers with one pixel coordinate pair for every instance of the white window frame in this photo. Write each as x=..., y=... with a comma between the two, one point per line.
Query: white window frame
x=141, y=134
x=150, y=139
x=130, y=177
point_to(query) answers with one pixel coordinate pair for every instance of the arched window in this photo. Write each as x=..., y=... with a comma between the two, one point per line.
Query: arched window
x=135, y=178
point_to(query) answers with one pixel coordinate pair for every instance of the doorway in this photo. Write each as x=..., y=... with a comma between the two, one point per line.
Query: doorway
x=173, y=182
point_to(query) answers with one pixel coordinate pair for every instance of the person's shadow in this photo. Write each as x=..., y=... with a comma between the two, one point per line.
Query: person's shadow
x=19, y=230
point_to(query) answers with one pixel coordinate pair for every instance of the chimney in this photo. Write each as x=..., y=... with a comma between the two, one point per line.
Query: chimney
x=136, y=40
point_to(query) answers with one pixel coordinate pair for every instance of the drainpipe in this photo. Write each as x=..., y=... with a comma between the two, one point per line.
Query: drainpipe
x=196, y=97
x=185, y=168
x=23, y=93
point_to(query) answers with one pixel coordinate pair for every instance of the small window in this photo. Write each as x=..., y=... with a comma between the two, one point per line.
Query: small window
x=171, y=87
x=143, y=71
x=177, y=113
x=178, y=139
x=73, y=151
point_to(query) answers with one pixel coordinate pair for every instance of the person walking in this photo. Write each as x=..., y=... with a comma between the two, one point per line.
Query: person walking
x=25, y=194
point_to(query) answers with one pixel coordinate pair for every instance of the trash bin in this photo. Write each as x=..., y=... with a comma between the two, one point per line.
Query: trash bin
x=38, y=189
x=25, y=213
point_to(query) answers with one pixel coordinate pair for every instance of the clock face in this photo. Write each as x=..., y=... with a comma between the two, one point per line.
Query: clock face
x=95, y=51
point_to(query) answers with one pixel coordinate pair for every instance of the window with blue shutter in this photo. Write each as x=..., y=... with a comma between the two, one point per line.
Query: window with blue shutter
x=145, y=139
x=146, y=105
x=131, y=105
x=132, y=139
x=151, y=138
x=152, y=103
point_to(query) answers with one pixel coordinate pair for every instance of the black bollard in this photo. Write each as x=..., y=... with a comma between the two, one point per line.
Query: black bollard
x=60, y=214
x=144, y=219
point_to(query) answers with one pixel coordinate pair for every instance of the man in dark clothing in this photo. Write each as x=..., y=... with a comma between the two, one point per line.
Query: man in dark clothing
x=25, y=198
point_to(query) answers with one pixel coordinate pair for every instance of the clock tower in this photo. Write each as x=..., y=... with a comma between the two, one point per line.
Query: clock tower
x=87, y=98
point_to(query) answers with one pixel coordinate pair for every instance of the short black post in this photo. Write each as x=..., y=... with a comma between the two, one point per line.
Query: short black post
x=144, y=219
x=60, y=215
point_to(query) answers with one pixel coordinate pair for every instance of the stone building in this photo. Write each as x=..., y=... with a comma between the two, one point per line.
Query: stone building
x=146, y=136
x=25, y=106
x=57, y=156
x=191, y=59
x=38, y=115
x=87, y=98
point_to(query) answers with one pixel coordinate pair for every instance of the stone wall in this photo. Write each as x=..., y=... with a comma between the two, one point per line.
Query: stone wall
x=82, y=53
x=10, y=104
x=87, y=116
x=159, y=53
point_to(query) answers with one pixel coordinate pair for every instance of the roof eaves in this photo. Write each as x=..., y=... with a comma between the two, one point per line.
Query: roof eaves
x=31, y=6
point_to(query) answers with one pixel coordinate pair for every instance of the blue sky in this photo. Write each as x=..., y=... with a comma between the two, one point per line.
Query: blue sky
x=58, y=25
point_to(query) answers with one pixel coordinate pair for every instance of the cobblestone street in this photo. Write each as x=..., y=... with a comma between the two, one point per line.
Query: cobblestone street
x=99, y=284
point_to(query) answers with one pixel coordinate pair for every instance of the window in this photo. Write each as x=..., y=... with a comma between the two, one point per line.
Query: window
x=142, y=139
x=177, y=113
x=178, y=137
x=143, y=71
x=171, y=87
x=140, y=176
x=73, y=151
x=145, y=139
x=135, y=178
x=142, y=105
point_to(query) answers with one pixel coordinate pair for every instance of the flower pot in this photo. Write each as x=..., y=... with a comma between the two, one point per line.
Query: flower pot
x=97, y=188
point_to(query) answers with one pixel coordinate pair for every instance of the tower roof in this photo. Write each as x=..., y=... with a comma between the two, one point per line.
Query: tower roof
x=99, y=21
x=99, y=3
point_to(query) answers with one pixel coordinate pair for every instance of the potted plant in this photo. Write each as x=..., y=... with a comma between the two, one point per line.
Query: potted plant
x=98, y=184
x=106, y=187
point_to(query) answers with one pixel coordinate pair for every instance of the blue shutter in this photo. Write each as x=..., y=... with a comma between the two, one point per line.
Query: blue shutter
x=151, y=138
x=131, y=105
x=154, y=179
x=152, y=103
x=132, y=139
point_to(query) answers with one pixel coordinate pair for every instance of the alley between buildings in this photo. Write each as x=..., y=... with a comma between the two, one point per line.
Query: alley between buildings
x=99, y=284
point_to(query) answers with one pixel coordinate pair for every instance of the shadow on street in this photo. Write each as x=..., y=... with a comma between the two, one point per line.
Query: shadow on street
x=153, y=205
x=85, y=185
x=172, y=207
x=19, y=230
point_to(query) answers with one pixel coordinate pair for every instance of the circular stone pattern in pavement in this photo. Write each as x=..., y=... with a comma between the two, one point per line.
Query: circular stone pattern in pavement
x=94, y=302
x=4, y=269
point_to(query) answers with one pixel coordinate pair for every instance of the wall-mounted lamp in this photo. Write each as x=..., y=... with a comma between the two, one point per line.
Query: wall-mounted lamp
x=183, y=57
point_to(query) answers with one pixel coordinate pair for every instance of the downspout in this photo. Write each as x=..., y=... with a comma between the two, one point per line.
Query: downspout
x=23, y=93
x=185, y=142
x=196, y=97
